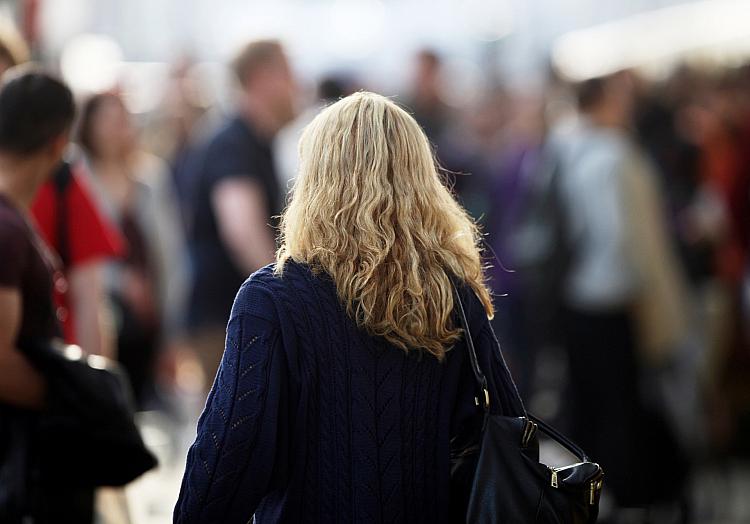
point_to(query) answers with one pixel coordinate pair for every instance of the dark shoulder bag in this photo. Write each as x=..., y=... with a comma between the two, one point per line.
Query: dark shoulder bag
x=509, y=485
x=86, y=435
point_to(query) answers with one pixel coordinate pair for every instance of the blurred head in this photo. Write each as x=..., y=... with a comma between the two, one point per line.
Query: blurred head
x=105, y=130
x=608, y=100
x=368, y=207
x=36, y=112
x=331, y=89
x=264, y=74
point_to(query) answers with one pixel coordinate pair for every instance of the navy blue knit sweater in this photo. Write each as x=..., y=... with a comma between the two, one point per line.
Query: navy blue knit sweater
x=312, y=420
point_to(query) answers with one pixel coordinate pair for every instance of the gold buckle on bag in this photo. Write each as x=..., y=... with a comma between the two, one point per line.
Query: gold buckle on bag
x=596, y=485
x=486, y=399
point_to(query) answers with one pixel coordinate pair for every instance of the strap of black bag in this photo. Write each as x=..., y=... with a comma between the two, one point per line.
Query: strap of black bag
x=61, y=180
x=483, y=399
x=510, y=400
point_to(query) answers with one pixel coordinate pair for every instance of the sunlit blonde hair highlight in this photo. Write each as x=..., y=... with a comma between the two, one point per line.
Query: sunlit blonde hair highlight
x=368, y=208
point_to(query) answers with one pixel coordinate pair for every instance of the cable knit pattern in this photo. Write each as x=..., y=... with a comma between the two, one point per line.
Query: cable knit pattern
x=312, y=420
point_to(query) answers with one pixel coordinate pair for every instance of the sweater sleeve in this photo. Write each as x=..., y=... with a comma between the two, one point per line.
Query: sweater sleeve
x=236, y=442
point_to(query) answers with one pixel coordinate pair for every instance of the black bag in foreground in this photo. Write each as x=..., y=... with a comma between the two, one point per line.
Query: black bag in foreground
x=508, y=484
x=86, y=435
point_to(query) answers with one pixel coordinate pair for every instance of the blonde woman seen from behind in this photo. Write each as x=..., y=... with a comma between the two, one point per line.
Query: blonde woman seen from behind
x=344, y=375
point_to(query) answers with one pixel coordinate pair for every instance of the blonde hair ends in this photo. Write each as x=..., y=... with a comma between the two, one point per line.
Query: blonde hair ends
x=368, y=207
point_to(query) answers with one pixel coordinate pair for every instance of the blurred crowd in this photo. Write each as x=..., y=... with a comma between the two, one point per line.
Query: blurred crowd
x=617, y=221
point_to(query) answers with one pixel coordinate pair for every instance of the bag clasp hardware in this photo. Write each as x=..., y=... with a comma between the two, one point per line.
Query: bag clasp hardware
x=553, y=480
x=486, y=399
x=596, y=485
x=529, y=431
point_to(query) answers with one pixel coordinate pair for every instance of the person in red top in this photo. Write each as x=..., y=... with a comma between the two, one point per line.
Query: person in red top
x=71, y=223
x=89, y=238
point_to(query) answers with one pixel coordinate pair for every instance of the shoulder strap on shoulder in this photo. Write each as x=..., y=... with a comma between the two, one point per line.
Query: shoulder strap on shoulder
x=509, y=400
x=61, y=179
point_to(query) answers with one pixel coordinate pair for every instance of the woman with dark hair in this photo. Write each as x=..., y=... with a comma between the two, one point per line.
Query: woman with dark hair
x=36, y=111
x=345, y=375
x=147, y=285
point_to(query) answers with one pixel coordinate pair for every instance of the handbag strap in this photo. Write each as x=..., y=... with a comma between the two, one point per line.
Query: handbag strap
x=510, y=399
x=62, y=178
x=484, y=399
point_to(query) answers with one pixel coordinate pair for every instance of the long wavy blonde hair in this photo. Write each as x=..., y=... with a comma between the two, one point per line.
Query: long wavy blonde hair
x=368, y=208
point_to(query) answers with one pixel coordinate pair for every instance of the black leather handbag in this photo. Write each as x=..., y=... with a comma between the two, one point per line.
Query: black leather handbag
x=498, y=473
x=86, y=436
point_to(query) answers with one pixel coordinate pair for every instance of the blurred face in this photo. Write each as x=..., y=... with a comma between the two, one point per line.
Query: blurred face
x=112, y=131
x=427, y=70
x=5, y=64
x=274, y=85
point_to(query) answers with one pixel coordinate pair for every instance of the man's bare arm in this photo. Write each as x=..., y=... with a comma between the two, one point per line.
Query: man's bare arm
x=20, y=384
x=242, y=215
x=88, y=304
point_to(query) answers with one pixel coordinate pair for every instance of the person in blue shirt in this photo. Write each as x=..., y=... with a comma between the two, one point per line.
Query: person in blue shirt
x=345, y=375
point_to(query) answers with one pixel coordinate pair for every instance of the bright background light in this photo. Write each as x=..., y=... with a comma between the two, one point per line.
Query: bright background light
x=374, y=40
x=718, y=28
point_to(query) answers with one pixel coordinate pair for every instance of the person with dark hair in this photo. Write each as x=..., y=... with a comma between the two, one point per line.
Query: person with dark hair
x=426, y=98
x=71, y=224
x=592, y=93
x=146, y=285
x=330, y=89
x=236, y=193
x=36, y=112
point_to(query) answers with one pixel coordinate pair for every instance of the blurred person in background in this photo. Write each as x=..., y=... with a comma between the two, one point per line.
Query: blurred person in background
x=460, y=138
x=183, y=121
x=72, y=225
x=286, y=143
x=147, y=286
x=622, y=296
x=426, y=97
x=721, y=121
x=470, y=145
x=669, y=123
x=697, y=128
x=508, y=188
x=236, y=193
x=36, y=112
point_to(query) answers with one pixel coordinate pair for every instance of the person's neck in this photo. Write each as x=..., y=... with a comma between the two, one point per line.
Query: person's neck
x=112, y=164
x=257, y=115
x=606, y=119
x=427, y=95
x=20, y=179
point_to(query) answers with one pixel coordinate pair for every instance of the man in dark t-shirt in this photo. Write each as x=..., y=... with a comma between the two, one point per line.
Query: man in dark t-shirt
x=27, y=267
x=36, y=111
x=236, y=195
